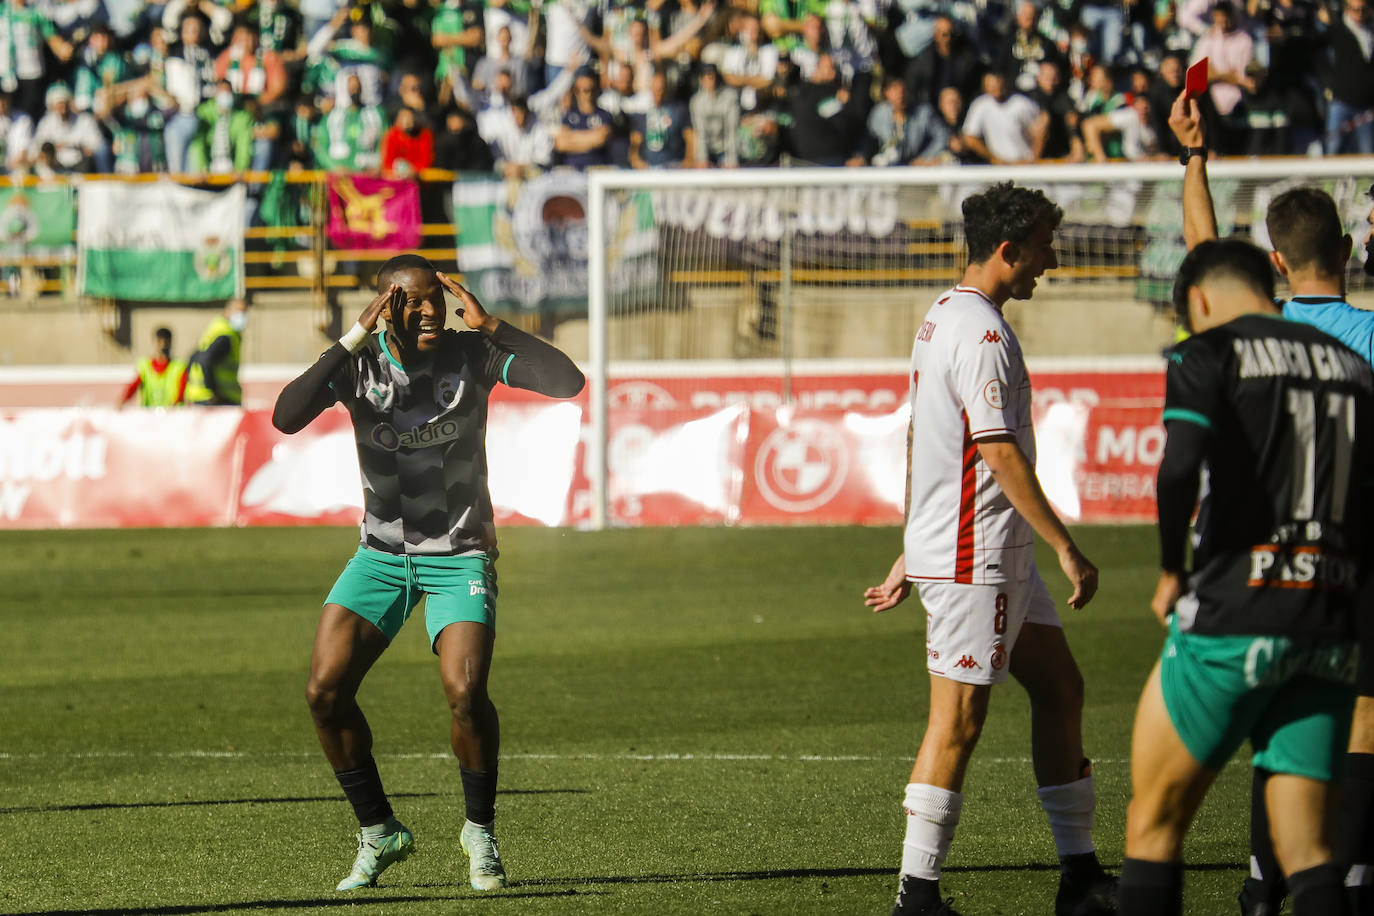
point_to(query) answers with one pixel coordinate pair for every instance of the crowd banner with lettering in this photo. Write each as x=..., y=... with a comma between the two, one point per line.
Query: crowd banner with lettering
x=159, y=242
x=522, y=245
x=368, y=213
x=722, y=450
x=37, y=221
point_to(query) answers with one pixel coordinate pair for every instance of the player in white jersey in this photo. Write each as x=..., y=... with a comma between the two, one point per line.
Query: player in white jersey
x=973, y=508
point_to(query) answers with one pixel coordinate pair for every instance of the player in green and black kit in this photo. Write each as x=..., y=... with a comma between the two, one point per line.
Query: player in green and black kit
x=1275, y=418
x=417, y=394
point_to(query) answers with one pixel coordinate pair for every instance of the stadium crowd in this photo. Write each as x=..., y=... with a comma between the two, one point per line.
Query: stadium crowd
x=517, y=86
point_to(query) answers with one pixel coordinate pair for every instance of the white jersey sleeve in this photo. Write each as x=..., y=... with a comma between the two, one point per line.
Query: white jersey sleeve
x=968, y=382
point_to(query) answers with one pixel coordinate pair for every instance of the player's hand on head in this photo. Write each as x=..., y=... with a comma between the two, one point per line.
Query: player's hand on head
x=392, y=295
x=1167, y=592
x=469, y=309
x=1185, y=120
x=1082, y=575
x=892, y=592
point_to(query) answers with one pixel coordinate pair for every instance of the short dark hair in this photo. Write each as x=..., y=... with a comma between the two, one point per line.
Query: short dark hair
x=1005, y=213
x=399, y=263
x=1232, y=258
x=163, y=334
x=1305, y=227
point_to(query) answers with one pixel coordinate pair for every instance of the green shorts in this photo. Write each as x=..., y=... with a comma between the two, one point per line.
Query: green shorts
x=385, y=587
x=1292, y=698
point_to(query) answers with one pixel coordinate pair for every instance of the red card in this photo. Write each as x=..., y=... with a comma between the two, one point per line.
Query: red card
x=1196, y=80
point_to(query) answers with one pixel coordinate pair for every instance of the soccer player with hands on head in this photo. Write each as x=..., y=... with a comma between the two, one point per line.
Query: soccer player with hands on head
x=974, y=506
x=417, y=395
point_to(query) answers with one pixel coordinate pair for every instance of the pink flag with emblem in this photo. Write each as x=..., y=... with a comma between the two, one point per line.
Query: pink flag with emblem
x=373, y=213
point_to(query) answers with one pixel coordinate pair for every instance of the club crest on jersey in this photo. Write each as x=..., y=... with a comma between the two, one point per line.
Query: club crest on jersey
x=379, y=396
x=995, y=393
x=447, y=393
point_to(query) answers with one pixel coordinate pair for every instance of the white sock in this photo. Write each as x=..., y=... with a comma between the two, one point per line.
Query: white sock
x=1070, y=809
x=932, y=814
x=373, y=831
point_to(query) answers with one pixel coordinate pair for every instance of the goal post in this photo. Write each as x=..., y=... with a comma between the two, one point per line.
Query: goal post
x=777, y=274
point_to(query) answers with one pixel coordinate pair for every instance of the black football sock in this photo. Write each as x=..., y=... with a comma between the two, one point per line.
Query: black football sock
x=1318, y=891
x=479, y=794
x=1082, y=866
x=1354, y=840
x=1266, y=878
x=1151, y=888
x=363, y=788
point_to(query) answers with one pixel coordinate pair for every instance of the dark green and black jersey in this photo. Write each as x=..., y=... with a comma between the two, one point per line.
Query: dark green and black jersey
x=1288, y=414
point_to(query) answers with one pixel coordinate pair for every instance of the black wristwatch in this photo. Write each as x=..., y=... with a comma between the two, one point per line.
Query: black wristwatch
x=1190, y=151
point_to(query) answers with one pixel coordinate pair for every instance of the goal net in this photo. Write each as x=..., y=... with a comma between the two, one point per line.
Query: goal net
x=750, y=286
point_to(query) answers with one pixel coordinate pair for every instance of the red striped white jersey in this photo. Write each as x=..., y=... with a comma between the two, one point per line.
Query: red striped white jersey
x=968, y=382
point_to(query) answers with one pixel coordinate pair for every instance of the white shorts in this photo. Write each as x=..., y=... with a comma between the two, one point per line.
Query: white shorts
x=971, y=629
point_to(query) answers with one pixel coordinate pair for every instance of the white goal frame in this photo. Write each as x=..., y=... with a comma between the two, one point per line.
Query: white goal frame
x=603, y=182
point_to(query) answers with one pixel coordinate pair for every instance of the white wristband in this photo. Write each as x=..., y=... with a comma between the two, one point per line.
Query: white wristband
x=354, y=340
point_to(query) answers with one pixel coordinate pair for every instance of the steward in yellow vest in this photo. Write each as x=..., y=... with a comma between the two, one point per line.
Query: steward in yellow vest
x=160, y=378
x=213, y=374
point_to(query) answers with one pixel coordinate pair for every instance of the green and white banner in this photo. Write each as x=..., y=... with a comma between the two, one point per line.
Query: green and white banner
x=522, y=246
x=159, y=242
x=36, y=221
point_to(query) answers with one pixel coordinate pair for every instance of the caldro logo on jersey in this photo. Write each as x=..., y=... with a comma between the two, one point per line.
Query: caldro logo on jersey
x=801, y=467
x=435, y=432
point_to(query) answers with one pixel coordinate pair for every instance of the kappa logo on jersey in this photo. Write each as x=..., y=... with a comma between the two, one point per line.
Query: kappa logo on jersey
x=999, y=657
x=801, y=467
x=966, y=661
x=995, y=393
x=991, y=337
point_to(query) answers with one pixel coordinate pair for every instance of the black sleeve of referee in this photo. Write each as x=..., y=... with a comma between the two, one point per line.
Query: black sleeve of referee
x=309, y=395
x=1176, y=490
x=538, y=365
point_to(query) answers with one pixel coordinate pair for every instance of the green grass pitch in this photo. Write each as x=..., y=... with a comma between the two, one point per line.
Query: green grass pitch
x=694, y=721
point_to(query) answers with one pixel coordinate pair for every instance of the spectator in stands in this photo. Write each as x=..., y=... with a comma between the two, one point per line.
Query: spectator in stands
x=189, y=75
x=1295, y=37
x=1105, y=21
x=1002, y=128
x=267, y=133
x=1026, y=48
x=16, y=134
x=947, y=61
x=139, y=122
x=510, y=14
x=1080, y=63
x=408, y=146
x=852, y=47
x=1062, y=139
x=349, y=137
x=1230, y=50
x=459, y=147
x=620, y=100
x=98, y=67
x=812, y=44
x=784, y=22
x=299, y=131
x=218, y=18
x=662, y=137
x=1134, y=127
x=583, y=140
x=563, y=37
x=484, y=73
x=25, y=34
x=249, y=70
x=1350, y=81
x=335, y=60
x=900, y=133
x=748, y=66
x=826, y=119
x=523, y=146
x=714, y=110
x=1100, y=95
x=281, y=31
x=223, y=143
x=458, y=37
x=76, y=141
x=410, y=93
x=74, y=19
x=316, y=14
x=1164, y=89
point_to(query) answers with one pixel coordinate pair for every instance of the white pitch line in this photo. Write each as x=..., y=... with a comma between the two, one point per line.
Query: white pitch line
x=646, y=758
